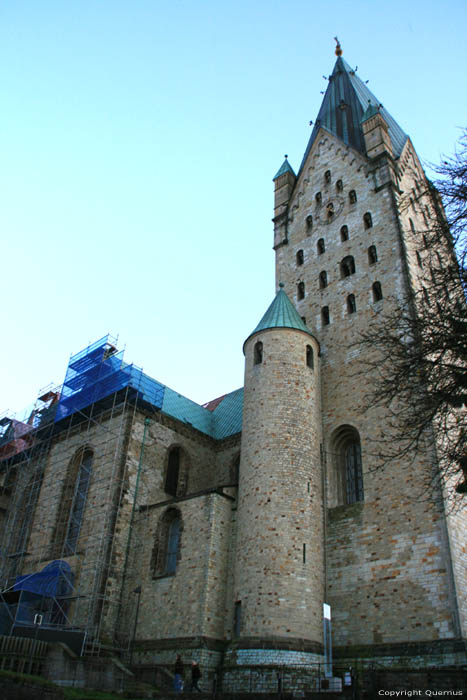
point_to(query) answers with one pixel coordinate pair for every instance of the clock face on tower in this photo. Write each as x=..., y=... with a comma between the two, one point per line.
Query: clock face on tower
x=329, y=211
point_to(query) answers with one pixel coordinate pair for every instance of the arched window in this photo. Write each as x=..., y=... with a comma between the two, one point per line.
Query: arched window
x=172, y=546
x=351, y=304
x=299, y=257
x=323, y=279
x=367, y=220
x=330, y=211
x=347, y=266
x=325, y=315
x=73, y=503
x=309, y=222
x=344, y=233
x=166, y=551
x=173, y=471
x=327, y=177
x=258, y=353
x=320, y=246
x=377, y=291
x=310, y=362
x=347, y=481
x=318, y=197
x=339, y=186
x=352, y=196
x=300, y=291
x=372, y=255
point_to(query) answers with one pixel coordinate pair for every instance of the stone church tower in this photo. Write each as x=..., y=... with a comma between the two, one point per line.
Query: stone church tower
x=317, y=523
x=143, y=525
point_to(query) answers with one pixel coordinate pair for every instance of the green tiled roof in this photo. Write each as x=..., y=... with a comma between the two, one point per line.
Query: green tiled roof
x=285, y=168
x=227, y=416
x=225, y=420
x=344, y=103
x=280, y=314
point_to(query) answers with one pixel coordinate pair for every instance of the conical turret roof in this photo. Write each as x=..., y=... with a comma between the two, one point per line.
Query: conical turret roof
x=280, y=314
x=346, y=100
x=285, y=168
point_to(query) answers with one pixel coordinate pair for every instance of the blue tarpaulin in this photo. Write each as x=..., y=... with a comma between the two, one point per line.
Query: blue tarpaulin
x=55, y=580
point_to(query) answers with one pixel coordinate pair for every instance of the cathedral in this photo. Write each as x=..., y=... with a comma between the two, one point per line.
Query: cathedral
x=257, y=534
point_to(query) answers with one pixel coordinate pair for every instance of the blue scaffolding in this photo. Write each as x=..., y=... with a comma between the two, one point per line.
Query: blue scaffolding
x=99, y=371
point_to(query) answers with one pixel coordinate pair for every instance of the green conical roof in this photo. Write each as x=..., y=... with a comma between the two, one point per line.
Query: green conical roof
x=280, y=314
x=285, y=168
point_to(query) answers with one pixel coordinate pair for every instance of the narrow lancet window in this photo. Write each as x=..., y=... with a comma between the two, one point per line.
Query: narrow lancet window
x=377, y=291
x=372, y=255
x=367, y=220
x=351, y=304
x=258, y=353
x=347, y=266
x=309, y=357
x=173, y=471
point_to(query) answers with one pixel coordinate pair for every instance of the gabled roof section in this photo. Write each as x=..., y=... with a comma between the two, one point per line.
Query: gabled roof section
x=280, y=314
x=346, y=100
x=285, y=168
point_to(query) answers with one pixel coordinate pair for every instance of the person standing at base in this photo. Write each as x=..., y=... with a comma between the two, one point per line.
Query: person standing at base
x=178, y=674
x=195, y=676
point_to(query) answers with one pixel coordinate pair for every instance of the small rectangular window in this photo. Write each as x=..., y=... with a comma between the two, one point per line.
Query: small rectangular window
x=237, y=618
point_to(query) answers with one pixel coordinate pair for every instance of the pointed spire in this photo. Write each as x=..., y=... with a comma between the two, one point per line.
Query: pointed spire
x=346, y=100
x=285, y=168
x=280, y=314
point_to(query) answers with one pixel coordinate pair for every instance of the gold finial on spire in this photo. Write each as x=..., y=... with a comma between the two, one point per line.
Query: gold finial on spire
x=338, y=47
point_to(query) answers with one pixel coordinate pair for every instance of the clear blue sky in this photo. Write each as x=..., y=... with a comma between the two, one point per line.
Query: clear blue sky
x=138, y=142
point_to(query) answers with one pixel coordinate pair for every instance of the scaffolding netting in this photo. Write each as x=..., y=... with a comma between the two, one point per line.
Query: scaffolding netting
x=99, y=371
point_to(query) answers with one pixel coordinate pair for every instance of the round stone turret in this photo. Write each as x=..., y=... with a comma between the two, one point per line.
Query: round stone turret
x=279, y=584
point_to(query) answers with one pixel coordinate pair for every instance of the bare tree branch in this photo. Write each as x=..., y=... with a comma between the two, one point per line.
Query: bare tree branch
x=417, y=349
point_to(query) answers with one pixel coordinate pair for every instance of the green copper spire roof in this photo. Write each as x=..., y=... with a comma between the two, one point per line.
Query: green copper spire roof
x=285, y=168
x=346, y=99
x=281, y=314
